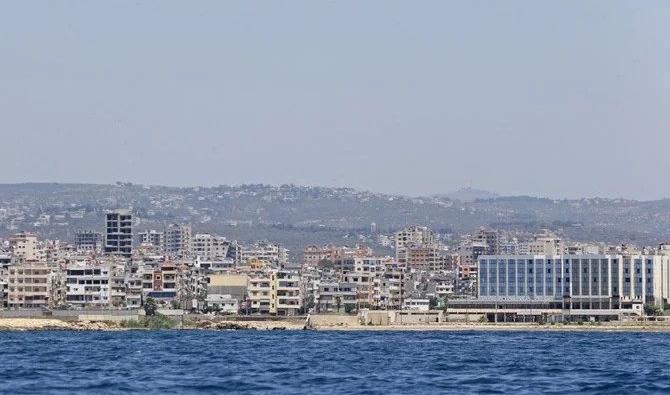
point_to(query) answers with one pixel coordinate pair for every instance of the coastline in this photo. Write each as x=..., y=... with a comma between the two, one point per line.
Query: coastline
x=50, y=324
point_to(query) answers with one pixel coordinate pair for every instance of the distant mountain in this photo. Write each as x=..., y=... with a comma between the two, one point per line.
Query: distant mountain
x=469, y=195
x=299, y=215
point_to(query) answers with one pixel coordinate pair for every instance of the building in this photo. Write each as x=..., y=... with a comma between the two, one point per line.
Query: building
x=411, y=236
x=178, y=240
x=88, y=286
x=287, y=295
x=24, y=246
x=152, y=237
x=576, y=281
x=276, y=292
x=208, y=247
x=87, y=240
x=416, y=304
x=334, y=296
x=30, y=285
x=426, y=257
x=119, y=233
x=160, y=282
x=490, y=239
x=270, y=252
x=235, y=285
x=545, y=244
x=225, y=304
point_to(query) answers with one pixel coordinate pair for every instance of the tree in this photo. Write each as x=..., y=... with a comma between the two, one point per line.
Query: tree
x=651, y=309
x=150, y=307
x=338, y=302
x=432, y=303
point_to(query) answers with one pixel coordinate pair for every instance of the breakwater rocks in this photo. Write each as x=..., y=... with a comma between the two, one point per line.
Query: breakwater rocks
x=246, y=325
x=31, y=324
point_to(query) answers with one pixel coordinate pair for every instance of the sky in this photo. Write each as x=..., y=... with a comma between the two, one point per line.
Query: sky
x=557, y=99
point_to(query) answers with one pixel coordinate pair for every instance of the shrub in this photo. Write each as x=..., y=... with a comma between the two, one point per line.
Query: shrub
x=158, y=321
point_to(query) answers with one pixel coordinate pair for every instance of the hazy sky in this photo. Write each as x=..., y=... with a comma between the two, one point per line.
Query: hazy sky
x=559, y=99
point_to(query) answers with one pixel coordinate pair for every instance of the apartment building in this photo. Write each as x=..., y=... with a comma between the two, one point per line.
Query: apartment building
x=426, y=257
x=545, y=244
x=271, y=252
x=411, y=236
x=87, y=240
x=178, y=240
x=260, y=293
x=24, y=246
x=160, y=282
x=275, y=292
x=389, y=287
x=152, y=237
x=119, y=233
x=30, y=285
x=362, y=276
x=208, y=247
x=88, y=286
x=287, y=294
x=336, y=296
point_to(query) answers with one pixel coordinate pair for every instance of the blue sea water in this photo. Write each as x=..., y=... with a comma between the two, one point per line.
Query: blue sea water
x=333, y=362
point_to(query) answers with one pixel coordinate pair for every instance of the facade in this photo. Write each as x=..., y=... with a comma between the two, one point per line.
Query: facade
x=88, y=286
x=334, y=296
x=576, y=281
x=119, y=233
x=208, y=247
x=275, y=292
x=270, y=252
x=412, y=236
x=152, y=237
x=178, y=240
x=87, y=240
x=24, y=246
x=160, y=282
x=234, y=285
x=29, y=285
x=426, y=257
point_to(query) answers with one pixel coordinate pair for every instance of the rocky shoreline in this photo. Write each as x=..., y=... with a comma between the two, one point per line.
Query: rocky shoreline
x=31, y=324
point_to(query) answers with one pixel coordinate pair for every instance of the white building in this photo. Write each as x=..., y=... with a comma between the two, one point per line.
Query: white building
x=580, y=281
x=88, y=286
x=24, y=245
x=208, y=247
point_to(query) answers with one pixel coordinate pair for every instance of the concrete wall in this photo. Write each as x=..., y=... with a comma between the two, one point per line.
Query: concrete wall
x=333, y=320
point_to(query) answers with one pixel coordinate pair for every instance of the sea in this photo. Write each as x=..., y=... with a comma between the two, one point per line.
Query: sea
x=332, y=362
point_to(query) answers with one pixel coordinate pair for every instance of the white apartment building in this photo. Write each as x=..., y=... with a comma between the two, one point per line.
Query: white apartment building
x=208, y=247
x=88, y=286
x=287, y=295
x=152, y=237
x=270, y=252
x=24, y=246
